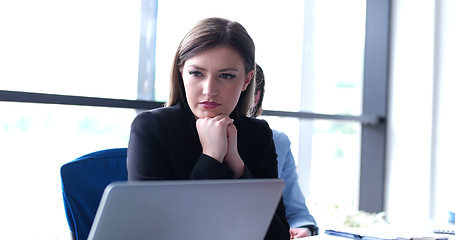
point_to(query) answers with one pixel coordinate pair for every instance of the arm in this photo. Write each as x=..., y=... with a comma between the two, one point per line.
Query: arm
x=297, y=212
x=147, y=149
x=279, y=228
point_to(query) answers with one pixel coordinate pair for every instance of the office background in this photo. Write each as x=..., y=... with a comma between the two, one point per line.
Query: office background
x=362, y=88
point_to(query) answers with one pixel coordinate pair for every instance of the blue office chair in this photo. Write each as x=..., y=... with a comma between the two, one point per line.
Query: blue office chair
x=83, y=182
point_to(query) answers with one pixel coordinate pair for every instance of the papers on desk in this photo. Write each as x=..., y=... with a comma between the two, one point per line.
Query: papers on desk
x=448, y=229
x=445, y=230
x=372, y=236
x=352, y=235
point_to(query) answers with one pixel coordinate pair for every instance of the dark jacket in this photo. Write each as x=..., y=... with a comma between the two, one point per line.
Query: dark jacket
x=164, y=145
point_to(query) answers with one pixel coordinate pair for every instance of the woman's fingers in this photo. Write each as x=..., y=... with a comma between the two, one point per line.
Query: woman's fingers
x=213, y=135
x=232, y=158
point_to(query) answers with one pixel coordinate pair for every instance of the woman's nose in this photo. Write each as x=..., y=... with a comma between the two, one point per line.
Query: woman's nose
x=210, y=87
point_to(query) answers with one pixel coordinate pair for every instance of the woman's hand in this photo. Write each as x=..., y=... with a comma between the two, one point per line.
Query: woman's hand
x=232, y=158
x=213, y=136
x=218, y=137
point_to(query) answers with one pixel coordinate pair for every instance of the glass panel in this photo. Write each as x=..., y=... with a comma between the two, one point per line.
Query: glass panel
x=335, y=170
x=85, y=48
x=36, y=140
x=333, y=56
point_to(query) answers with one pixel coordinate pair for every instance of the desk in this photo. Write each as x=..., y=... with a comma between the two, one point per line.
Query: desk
x=408, y=232
x=321, y=236
x=328, y=237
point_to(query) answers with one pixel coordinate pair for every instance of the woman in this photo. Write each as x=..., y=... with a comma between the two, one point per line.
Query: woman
x=204, y=131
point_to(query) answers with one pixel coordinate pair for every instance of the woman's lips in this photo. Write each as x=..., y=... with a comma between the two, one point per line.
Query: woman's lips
x=209, y=105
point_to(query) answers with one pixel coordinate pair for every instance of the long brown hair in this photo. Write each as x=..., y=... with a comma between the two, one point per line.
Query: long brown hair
x=206, y=34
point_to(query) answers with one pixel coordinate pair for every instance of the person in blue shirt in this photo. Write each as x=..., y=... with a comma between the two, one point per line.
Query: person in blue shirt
x=300, y=220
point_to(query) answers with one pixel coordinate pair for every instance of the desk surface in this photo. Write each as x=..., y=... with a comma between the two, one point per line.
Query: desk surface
x=329, y=237
x=321, y=236
x=411, y=231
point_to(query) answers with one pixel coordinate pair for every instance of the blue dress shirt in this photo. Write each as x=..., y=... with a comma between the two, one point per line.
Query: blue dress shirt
x=297, y=212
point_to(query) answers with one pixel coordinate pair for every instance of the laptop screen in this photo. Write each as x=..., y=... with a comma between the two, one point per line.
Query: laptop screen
x=191, y=209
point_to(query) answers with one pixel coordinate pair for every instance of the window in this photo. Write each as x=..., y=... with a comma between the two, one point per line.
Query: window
x=36, y=140
x=82, y=48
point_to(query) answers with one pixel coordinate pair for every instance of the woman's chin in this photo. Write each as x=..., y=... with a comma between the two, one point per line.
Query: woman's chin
x=208, y=114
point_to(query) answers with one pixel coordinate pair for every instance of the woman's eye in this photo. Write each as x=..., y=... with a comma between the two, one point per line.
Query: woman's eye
x=227, y=76
x=195, y=73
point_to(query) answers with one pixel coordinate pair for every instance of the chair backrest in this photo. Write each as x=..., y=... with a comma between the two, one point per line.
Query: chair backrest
x=83, y=182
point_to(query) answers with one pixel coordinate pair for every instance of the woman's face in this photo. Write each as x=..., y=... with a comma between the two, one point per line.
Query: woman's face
x=214, y=80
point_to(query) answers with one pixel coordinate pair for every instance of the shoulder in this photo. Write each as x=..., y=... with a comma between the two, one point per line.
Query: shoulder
x=279, y=136
x=254, y=122
x=252, y=130
x=162, y=112
x=255, y=125
x=281, y=140
x=159, y=117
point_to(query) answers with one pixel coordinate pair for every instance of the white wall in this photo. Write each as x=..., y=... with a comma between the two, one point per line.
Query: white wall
x=445, y=110
x=419, y=133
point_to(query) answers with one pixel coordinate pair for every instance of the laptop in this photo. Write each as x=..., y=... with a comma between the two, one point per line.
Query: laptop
x=187, y=210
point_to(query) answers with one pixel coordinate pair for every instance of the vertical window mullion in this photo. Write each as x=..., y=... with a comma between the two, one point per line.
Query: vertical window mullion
x=146, y=71
x=373, y=141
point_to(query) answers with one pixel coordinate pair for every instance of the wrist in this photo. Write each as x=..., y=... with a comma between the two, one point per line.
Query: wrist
x=313, y=230
x=213, y=155
x=236, y=164
x=240, y=171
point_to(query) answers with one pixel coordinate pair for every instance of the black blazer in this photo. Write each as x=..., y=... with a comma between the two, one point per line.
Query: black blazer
x=164, y=145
